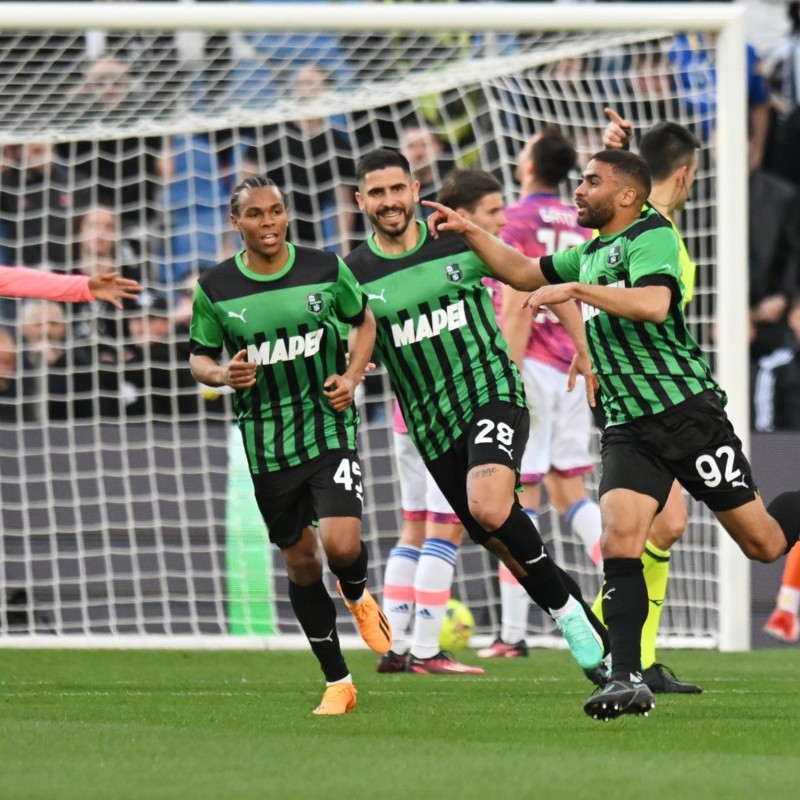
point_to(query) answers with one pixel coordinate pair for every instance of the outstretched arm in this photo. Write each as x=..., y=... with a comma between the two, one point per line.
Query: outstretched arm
x=505, y=262
x=27, y=282
x=113, y=289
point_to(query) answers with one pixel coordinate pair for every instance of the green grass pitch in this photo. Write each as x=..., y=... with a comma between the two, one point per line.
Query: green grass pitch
x=115, y=725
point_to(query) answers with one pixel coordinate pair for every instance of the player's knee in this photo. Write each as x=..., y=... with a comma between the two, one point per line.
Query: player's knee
x=342, y=552
x=304, y=569
x=665, y=532
x=620, y=543
x=489, y=515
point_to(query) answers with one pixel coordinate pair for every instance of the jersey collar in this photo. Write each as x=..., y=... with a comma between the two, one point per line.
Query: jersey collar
x=423, y=235
x=647, y=210
x=257, y=276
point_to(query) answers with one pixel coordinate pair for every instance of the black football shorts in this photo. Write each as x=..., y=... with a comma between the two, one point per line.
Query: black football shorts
x=497, y=434
x=294, y=498
x=694, y=442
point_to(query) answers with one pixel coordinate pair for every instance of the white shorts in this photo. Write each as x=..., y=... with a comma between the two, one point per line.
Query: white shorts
x=561, y=424
x=419, y=494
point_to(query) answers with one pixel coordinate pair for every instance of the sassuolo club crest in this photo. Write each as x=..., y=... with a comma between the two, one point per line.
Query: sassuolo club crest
x=614, y=256
x=453, y=272
x=315, y=302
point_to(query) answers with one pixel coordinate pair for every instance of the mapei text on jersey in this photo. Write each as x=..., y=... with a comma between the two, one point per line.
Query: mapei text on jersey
x=286, y=349
x=427, y=326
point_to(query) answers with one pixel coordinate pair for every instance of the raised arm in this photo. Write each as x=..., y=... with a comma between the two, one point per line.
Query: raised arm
x=618, y=132
x=506, y=263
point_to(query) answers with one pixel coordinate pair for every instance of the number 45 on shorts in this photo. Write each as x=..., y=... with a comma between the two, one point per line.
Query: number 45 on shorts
x=348, y=476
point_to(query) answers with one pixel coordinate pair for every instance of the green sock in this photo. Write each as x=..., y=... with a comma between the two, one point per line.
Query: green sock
x=656, y=574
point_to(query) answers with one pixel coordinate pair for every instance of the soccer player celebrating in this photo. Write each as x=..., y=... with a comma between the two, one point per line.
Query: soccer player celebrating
x=277, y=310
x=420, y=568
x=665, y=417
x=460, y=394
x=671, y=154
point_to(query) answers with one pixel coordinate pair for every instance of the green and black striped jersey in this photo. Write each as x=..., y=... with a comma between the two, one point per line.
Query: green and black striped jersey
x=289, y=323
x=643, y=367
x=437, y=336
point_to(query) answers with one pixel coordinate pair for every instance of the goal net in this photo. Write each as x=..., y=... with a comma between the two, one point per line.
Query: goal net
x=127, y=515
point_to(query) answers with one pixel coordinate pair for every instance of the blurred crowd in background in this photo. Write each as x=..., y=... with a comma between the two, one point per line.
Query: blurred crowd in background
x=155, y=207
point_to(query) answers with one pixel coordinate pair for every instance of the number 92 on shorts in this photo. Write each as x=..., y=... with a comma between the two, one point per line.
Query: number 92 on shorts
x=693, y=442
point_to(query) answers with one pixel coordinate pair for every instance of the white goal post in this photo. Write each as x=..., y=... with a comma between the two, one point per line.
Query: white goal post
x=81, y=562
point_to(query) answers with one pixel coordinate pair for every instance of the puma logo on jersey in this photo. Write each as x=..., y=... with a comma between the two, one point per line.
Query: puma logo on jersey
x=741, y=482
x=238, y=316
x=507, y=450
x=286, y=349
x=430, y=325
x=377, y=296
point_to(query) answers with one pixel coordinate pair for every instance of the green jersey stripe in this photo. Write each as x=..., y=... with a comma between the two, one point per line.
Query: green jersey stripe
x=625, y=387
x=418, y=380
x=468, y=393
x=274, y=386
x=505, y=383
x=315, y=378
x=657, y=386
x=332, y=362
x=296, y=441
x=254, y=432
x=695, y=369
x=479, y=325
x=456, y=405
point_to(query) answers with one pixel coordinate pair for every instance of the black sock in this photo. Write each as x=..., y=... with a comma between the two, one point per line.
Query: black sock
x=625, y=610
x=543, y=582
x=353, y=577
x=316, y=613
x=786, y=510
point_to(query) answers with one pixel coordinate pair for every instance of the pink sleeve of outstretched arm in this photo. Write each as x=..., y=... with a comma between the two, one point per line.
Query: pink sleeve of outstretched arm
x=27, y=282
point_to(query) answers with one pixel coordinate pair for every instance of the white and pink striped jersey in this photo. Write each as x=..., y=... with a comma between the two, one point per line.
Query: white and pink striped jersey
x=538, y=225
